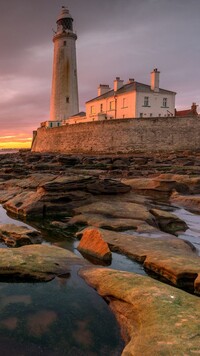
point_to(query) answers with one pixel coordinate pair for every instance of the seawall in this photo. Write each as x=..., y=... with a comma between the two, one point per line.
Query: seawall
x=121, y=136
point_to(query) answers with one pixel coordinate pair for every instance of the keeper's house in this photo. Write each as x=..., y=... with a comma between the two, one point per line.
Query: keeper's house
x=131, y=100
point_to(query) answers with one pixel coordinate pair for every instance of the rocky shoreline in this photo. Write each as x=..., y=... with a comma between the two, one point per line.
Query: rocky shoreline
x=112, y=203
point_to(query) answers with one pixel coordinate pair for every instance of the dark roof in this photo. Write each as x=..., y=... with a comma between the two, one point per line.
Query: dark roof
x=188, y=112
x=81, y=113
x=128, y=88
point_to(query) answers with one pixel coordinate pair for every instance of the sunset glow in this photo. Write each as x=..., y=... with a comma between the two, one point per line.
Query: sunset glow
x=15, y=142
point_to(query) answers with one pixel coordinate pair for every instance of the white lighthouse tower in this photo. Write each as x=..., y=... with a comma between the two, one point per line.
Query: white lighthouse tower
x=64, y=94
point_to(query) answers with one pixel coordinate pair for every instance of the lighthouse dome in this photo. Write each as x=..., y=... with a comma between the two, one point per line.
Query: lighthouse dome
x=64, y=14
x=64, y=21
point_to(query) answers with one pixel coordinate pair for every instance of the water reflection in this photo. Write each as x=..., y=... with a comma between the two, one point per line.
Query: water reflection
x=59, y=316
x=192, y=234
x=5, y=219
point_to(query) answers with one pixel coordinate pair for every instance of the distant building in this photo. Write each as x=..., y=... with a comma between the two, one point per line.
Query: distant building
x=131, y=100
x=188, y=112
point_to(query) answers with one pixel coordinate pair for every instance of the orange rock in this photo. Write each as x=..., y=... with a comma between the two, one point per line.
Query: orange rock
x=92, y=244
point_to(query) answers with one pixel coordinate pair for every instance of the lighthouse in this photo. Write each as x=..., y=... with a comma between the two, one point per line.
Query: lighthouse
x=64, y=93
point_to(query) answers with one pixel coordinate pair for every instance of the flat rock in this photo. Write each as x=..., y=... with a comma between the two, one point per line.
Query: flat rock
x=191, y=202
x=169, y=222
x=168, y=257
x=120, y=210
x=108, y=186
x=67, y=183
x=155, y=319
x=193, y=183
x=94, y=245
x=89, y=184
x=36, y=262
x=26, y=203
x=162, y=185
x=15, y=236
x=34, y=180
x=105, y=222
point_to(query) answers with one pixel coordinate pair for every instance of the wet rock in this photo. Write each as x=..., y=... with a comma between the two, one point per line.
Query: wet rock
x=192, y=183
x=165, y=255
x=104, y=222
x=26, y=203
x=34, y=180
x=86, y=183
x=158, y=184
x=168, y=222
x=15, y=236
x=68, y=183
x=93, y=244
x=190, y=202
x=36, y=262
x=9, y=193
x=69, y=161
x=121, y=210
x=108, y=186
x=59, y=224
x=120, y=164
x=155, y=319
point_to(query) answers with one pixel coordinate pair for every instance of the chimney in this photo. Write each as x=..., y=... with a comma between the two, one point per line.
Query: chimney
x=131, y=80
x=155, y=80
x=103, y=88
x=118, y=83
x=194, y=109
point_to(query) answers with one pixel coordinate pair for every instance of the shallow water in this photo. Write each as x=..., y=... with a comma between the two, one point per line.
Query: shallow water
x=192, y=234
x=61, y=317
x=66, y=316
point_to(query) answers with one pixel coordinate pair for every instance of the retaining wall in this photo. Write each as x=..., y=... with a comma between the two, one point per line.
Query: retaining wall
x=121, y=136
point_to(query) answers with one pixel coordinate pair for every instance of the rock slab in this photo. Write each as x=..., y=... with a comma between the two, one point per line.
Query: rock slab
x=93, y=244
x=168, y=257
x=36, y=262
x=155, y=319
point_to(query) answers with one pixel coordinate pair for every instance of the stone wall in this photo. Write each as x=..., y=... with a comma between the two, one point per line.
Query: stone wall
x=121, y=136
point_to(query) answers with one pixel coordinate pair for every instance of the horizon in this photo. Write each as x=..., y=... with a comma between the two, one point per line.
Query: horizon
x=128, y=41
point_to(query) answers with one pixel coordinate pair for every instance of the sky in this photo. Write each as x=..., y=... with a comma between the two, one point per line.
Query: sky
x=116, y=38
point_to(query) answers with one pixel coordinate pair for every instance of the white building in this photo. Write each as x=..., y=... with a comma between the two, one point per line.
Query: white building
x=131, y=100
x=64, y=95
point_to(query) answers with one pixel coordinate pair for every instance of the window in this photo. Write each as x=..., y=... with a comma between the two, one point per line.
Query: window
x=101, y=107
x=151, y=115
x=51, y=124
x=64, y=43
x=112, y=105
x=92, y=109
x=146, y=101
x=159, y=115
x=124, y=103
x=141, y=114
x=67, y=99
x=164, y=102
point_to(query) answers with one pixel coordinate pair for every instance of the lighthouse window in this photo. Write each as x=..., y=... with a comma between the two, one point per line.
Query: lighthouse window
x=67, y=99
